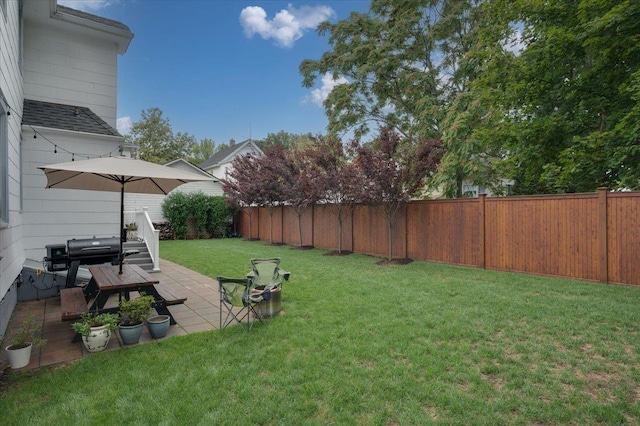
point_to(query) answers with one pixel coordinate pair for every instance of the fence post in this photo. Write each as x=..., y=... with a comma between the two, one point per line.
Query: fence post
x=603, y=234
x=481, y=229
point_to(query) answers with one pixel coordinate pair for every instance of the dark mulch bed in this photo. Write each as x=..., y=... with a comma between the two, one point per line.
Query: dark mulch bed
x=403, y=261
x=338, y=253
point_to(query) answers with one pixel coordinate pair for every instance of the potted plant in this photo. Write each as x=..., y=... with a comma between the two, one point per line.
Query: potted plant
x=158, y=325
x=22, y=342
x=132, y=231
x=96, y=330
x=133, y=313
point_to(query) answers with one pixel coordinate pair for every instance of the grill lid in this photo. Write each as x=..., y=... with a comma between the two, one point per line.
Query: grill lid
x=93, y=247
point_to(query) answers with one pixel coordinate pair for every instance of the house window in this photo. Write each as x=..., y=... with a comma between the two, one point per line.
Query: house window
x=4, y=164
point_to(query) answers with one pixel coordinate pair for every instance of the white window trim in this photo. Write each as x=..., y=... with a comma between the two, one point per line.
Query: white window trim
x=4, y=166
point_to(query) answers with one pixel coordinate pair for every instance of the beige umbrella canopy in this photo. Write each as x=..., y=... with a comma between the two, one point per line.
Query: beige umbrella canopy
x=118, y=174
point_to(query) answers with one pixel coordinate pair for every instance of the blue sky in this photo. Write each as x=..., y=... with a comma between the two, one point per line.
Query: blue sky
x=222, y=69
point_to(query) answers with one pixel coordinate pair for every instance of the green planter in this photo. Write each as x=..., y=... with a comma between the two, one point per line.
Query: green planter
x=158, y=325
x=130, y=334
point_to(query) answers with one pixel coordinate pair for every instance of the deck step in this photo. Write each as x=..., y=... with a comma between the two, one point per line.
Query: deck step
x=143, y=258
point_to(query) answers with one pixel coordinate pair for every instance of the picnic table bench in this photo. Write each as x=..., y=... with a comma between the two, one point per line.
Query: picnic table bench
x=106, y=281
x=72, y=303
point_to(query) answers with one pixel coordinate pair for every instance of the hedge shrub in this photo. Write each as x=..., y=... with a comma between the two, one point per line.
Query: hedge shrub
x=206, y=215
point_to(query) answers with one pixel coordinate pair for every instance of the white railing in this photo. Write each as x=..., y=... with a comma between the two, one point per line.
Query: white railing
x=150, y=236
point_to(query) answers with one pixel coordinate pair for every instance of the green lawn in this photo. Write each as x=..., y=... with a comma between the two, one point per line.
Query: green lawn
x=364, y=344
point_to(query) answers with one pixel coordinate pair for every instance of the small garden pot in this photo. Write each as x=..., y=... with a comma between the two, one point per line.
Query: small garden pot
x=130, y=334
x=19, y=357
x=158, y=326
x=98, y=339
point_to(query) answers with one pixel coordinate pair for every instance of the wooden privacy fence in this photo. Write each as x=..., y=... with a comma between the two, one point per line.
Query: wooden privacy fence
x=593, y=236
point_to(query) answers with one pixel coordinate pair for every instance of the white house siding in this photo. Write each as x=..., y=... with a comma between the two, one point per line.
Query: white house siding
x=220, y=170
x=57, y=215
x=70, y=68
x=11, y=248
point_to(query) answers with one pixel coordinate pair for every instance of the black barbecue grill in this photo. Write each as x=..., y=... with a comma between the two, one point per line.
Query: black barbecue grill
x=88, y=251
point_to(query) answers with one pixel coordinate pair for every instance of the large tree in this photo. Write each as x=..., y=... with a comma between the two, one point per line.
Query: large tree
x=406, y=63
x=155, y=139
x=288, y=141
x=569, y=96
x=202, y=150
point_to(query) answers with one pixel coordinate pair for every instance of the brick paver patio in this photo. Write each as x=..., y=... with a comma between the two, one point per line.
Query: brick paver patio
x=201, y=312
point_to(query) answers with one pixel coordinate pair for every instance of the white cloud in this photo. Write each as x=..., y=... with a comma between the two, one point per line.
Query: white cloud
x=87, y=5
x=124, y=125
x=287, y=26
x=328, y=83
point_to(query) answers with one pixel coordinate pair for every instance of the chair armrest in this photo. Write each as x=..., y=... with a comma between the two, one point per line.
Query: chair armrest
x=285, y=274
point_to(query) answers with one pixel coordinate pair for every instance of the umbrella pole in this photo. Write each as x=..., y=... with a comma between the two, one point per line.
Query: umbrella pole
x=121, y=255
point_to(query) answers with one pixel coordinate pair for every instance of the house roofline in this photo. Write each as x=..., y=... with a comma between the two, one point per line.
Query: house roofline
x=194, y=167
x=63, y=132
x=121, y=33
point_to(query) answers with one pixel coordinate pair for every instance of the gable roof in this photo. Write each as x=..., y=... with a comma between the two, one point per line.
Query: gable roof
x=227, y=154
x=192, y=166
x=64, y=117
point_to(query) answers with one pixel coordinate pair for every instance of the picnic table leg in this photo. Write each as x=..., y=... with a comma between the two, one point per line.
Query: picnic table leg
x=91, y=290
x=100, y=301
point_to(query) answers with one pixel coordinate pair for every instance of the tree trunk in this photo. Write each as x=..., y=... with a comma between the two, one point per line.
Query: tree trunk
x=270, y=212
x=299, y=214
x=389, y=226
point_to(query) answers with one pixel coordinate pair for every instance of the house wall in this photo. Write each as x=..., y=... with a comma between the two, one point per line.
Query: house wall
x=57, y=215
x=153, y=202
x=220, y=171
x=11, y=248
x=63, y=65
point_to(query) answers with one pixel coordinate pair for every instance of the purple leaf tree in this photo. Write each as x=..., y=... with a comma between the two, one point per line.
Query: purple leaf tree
x=339, y=180
x=395, y=171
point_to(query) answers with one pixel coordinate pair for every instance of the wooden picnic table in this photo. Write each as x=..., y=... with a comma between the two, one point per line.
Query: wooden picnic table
x=106, y=281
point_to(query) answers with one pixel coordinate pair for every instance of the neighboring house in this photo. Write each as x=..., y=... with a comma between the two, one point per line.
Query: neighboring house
x=58, y=101
x=473, y=191
x=153, y=203
x=218, y=164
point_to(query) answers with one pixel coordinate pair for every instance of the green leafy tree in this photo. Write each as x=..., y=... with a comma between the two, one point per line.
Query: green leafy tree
x=287, y=140
x=153, y=136
x=567, y=102
x=202, y=151
x=156, y=141
x=407, y=63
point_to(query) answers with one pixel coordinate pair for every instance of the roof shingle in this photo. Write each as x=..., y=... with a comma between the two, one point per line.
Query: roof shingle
x=64, y=117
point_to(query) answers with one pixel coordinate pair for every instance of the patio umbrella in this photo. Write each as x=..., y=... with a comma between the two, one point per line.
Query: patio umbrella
x=117, y=174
